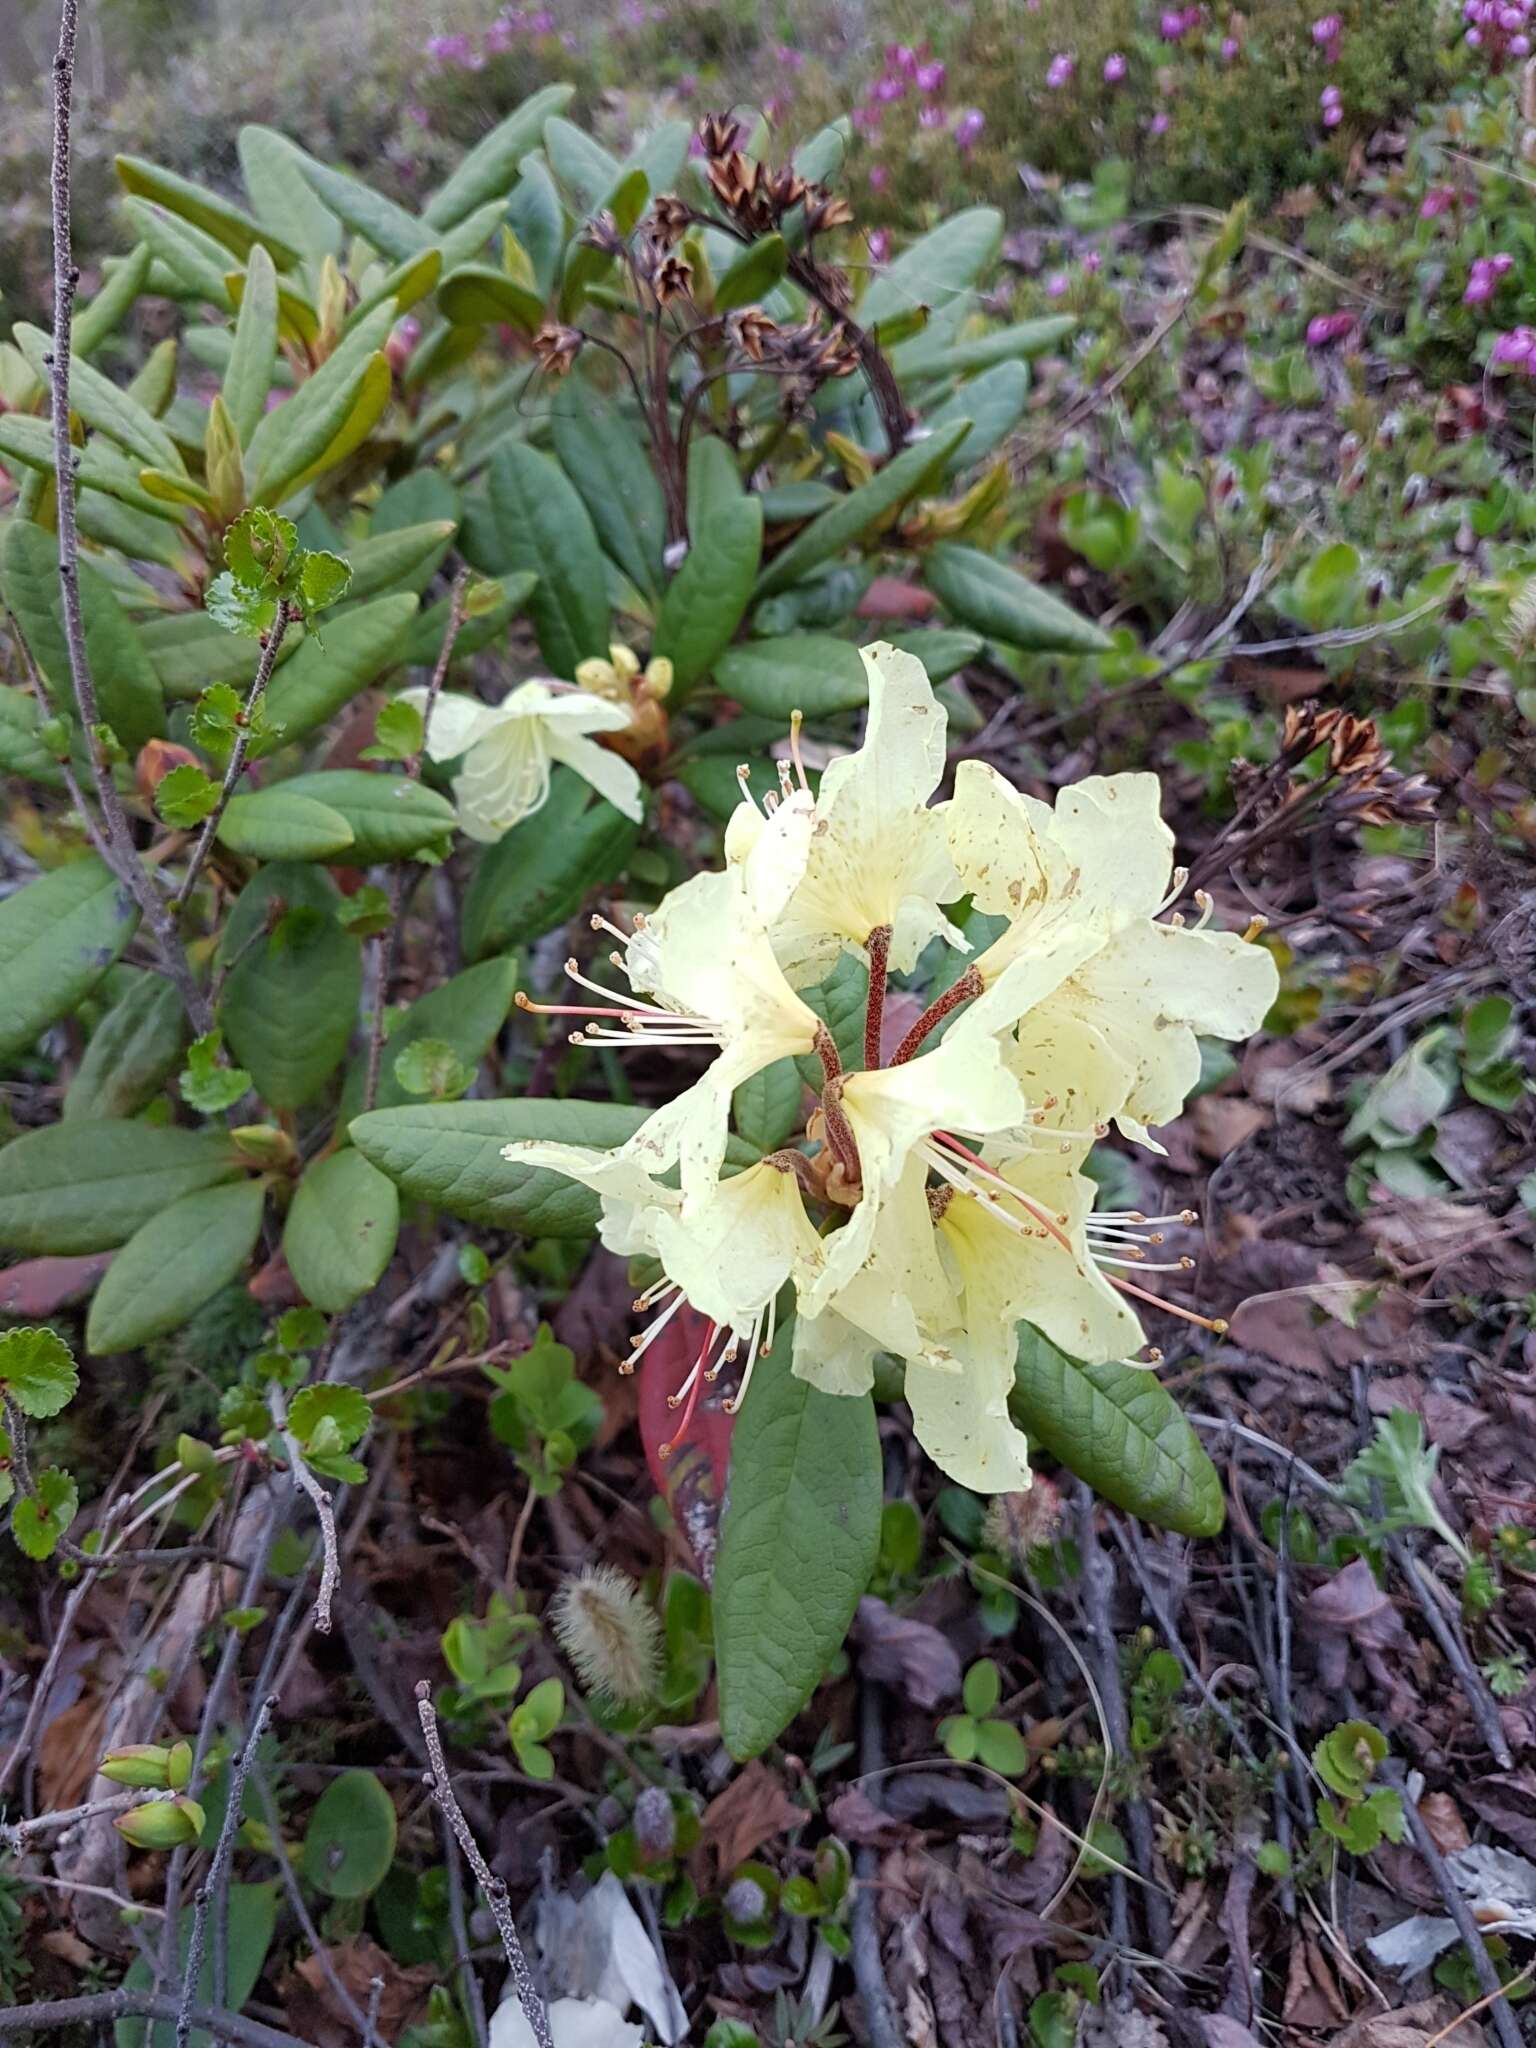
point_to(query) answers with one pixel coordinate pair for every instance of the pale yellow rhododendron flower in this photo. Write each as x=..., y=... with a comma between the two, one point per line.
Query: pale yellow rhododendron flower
x=510, y=747
x=948, y=1172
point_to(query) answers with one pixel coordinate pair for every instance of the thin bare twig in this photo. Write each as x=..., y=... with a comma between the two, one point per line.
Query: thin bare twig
x=223, y=1848
x=301, y=1913
x=1453, y=1648
x=122, y=856
x=495, y=1891
x=271, y=645
x=320, y=1500
x=103, y=2006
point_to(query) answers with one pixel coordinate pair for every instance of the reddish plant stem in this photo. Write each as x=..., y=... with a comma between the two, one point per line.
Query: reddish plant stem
x=954, y=996
x=874, y=1015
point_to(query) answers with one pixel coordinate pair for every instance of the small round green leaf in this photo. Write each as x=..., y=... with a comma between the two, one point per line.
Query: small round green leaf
x=350, y=1842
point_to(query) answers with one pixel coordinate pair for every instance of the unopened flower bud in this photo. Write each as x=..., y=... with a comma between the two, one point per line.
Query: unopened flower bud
x=655, y=1824
x=746, y=1902
x=162, y=1824
x=143, y=1765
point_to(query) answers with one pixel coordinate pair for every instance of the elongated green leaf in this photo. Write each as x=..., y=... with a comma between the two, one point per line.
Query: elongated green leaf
x=602, y=455
x=661, y=154
x=398, y=557
x=1122, y=1431
x=423, y=642
x=809, y=672
x=290, y=1003
x=537, y=218
x=205, y=209
x=996, y=600
x=365, y=409
x=942, y=265
x=389, y=228
x=913, y=470
x=586, y=264
x=540, y=524
x=708, y=597
x=21, y=751
x=341, y=1230
x=766, y=1108
x=449, y=1154
x=103, y=315
x=820, y=157
x=490, y=169
x=102, y=405
x=251, y=1916
x=100, y=465
x=545, y=868
x=196, y=262
x=389, y=816
x=58, y=937
x=298, y=432
x=465, y=244
x=280, y=824
x=249, y=376
x=477, y=293
x=127, y=688
x=407, y=284
x=942, y=651
x=87, y=1185
x=800, y=1539
x=189, y=651
x=137, y=537
x=938, y=355
x=359, y=644
x=994, y=402
x=282, y=197
x=467, y=1012
x=176, y=1262
x=753, y=275
x=133, y=1052
x=583, y=166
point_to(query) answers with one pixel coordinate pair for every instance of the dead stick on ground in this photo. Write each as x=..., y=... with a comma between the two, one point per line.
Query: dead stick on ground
x=495, y=1891
x=223, y=1848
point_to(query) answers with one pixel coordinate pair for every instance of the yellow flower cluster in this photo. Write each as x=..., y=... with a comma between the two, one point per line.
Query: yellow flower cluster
x=946, y=1171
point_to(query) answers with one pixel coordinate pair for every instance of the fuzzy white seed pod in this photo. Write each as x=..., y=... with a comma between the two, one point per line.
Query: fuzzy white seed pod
x=609, y=1634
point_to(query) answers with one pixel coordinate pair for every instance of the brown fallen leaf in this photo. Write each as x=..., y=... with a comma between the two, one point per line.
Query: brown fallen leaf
x=1410, y=2027
x=41, y=1287
x=317, y=2015
x=1311, y=1996
x=854, y=1817
x=918, y=1660
x=1442, y=1817
x=750, y=1811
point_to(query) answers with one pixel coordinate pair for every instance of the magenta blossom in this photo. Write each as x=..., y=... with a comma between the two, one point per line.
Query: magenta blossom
x=451, y=50
x=969, y=127
x=1171, y=27
x=930, y=117
x=1115, y=67
x=1093, y=261
x=879, y=244
x=1516, y=350
x=1328, y=328
x=1331, y=100
x=879, y=178
x=1060, y=70
x=1437, y=200
x=1159, y=124
x=890, y=87
x=1231, y=49
x=930, y=77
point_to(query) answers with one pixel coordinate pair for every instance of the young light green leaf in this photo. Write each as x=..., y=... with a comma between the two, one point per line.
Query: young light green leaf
x=41, y=1519
x=343, y=1407
x=185, y=796
x=37, y=1371
x=430, y=1066
x=340, y=1233
x=259, y=547
x=397, y=733
x=207, y=1085
x=239, y=608
x=323, y=580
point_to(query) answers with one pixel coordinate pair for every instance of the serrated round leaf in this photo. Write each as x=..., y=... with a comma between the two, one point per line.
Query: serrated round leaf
x=350, y=1841
x=277, y=824
x=37, y=1371
x=88, y=1185
x=176, y=1262
x=800, y=1538
x=40, y=1519
x=449, y=1154
x=545, y=868
x=1122, y=1431
x=809, y=672
x=344, y=1410
x=58, y=937
x=389, y=816
x=341, y=1230
x=986, y=594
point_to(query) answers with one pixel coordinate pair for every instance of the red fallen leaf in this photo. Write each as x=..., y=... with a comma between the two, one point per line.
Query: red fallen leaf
x=156, y=759
x=38, y=1287
x=691, y=1478
x=274, y=1286
x=889, y=598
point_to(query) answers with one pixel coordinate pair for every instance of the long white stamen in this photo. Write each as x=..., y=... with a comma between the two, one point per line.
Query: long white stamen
x=651, y=1332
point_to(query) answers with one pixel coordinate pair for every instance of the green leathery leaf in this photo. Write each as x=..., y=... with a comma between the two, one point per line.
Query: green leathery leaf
x=540, y=524
x=87, y=1185
x=582, y=165
x=994, y=403
x=128, y=690
x=708, y=597
x=103, y=404
x=388, y=228
x=196, y=262
x=603, y=457
x=389, y=816
x=467, y=1013
x=103, y=315
x=282, y=197
x=753, y=275
x=766, y=1107
x=189, y=651
x=466, y=243
x=1119, y=1429
x=853, y=516
x=406, y=284
x=277, y=824
x=58, y=936
x=358, y=644
x=938, y=355
x=942, y=265
x=449, y=1155
x=477, y=294
x=249, y=1920
x=943, y=651
x=993, y=599
x=490, y=170
x=799, y=1540
x=423, y=643
x=22, y=752
x=204, y=208
x=173, y=1264
x=536, y=217
x=99, y=465
x=341, y=1230
x=350, y=1841
x=809, y=672
x=132, y=1053
x=545, y=868
x=398, y=556
x=296, y=434
x=248, y=379
x=290, y=1003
